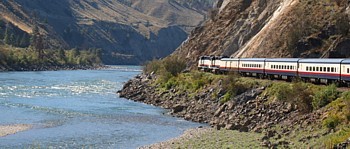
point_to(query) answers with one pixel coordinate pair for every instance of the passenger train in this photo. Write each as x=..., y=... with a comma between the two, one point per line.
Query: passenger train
x=311, y=70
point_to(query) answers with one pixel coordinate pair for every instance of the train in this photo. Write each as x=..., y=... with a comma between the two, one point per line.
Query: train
x=316, y=70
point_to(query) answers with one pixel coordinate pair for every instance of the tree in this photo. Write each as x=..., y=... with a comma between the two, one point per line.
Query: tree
x=24, y=41
x=33, y=38
x=62, y=55
x=37, y=42
x=7, y=36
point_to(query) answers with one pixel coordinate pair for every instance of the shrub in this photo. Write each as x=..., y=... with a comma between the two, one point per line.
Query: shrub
x=280, y=91
x=331, y=122
x=338, y=137
x=233, y=87
x=325, y=96
x=227, y=97
x=174, y=65
x=152, y=66
x=298, y=93
x=302, y=96
x=346, y=99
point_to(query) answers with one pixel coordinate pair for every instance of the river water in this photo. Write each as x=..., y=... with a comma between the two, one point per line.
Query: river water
x=80, y=109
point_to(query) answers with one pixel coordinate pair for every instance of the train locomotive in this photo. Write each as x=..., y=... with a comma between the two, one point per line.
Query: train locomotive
x=326, y=71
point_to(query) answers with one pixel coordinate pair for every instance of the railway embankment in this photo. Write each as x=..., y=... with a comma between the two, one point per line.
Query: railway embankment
x=287, y=114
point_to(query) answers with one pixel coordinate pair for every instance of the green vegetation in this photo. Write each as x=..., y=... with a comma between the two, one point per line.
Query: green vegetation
x=297, y=93
x=28, y=59
x=23, y=51
x=325, y=96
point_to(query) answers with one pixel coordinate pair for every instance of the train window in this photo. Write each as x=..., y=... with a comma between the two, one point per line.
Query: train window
x=313, y=69
x=348, y=70
x=307, y=68
x=317, y=68
x=332, y=69
x=328, y=69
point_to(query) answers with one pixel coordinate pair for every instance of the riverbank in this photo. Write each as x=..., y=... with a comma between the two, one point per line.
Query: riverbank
x=13, y=129
x=254, y=110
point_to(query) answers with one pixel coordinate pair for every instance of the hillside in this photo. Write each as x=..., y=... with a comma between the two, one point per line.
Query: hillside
x=128, y=31
x=272, y=28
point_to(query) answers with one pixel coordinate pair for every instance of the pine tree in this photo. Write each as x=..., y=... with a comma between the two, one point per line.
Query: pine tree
x=24, y=41
x=37, y=42
x=7, y=36
x=62, y=55
x=33, y=38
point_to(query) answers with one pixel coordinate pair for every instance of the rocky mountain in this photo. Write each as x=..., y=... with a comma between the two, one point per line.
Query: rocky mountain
x=128, y=31
x=272, y=28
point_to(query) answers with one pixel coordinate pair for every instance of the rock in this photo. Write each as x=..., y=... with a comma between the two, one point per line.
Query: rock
x=266, y=143
x=229, y=126
x=178, y=108
x=218, y=112
x=270, y=133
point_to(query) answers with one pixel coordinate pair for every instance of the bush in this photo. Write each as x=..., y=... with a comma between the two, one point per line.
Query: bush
x=346, y=99
x=227, y=97
x=325, y=96
x=152, y=66
x=280, y=91
x=298, y=93
x=331, y=122
x=303, y=96
x=174, y=65
x=233, y=87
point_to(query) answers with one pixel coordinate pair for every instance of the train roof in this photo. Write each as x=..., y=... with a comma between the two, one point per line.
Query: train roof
x=346, y=61
x=282, y=59
x=230, y=59
x=253, y=59
x=320, y=60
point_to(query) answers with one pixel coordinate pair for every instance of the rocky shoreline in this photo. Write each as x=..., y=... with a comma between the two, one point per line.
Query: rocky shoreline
x=247, y=112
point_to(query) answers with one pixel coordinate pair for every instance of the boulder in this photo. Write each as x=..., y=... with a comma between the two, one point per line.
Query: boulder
x=178, y=108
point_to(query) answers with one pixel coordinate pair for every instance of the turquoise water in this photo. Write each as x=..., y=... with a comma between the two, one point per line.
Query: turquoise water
x=80, y=109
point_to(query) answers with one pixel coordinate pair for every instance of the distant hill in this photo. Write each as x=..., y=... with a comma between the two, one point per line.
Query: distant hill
x=128, y=31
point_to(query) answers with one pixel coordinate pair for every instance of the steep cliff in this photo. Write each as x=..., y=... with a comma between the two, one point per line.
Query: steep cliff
x=128, y=31
x=272, y=28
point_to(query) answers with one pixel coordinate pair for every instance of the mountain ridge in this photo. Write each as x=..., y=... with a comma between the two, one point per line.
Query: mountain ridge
x=120, y=28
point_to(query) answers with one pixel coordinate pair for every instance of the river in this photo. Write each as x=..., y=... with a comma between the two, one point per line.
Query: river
x=80, y=109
